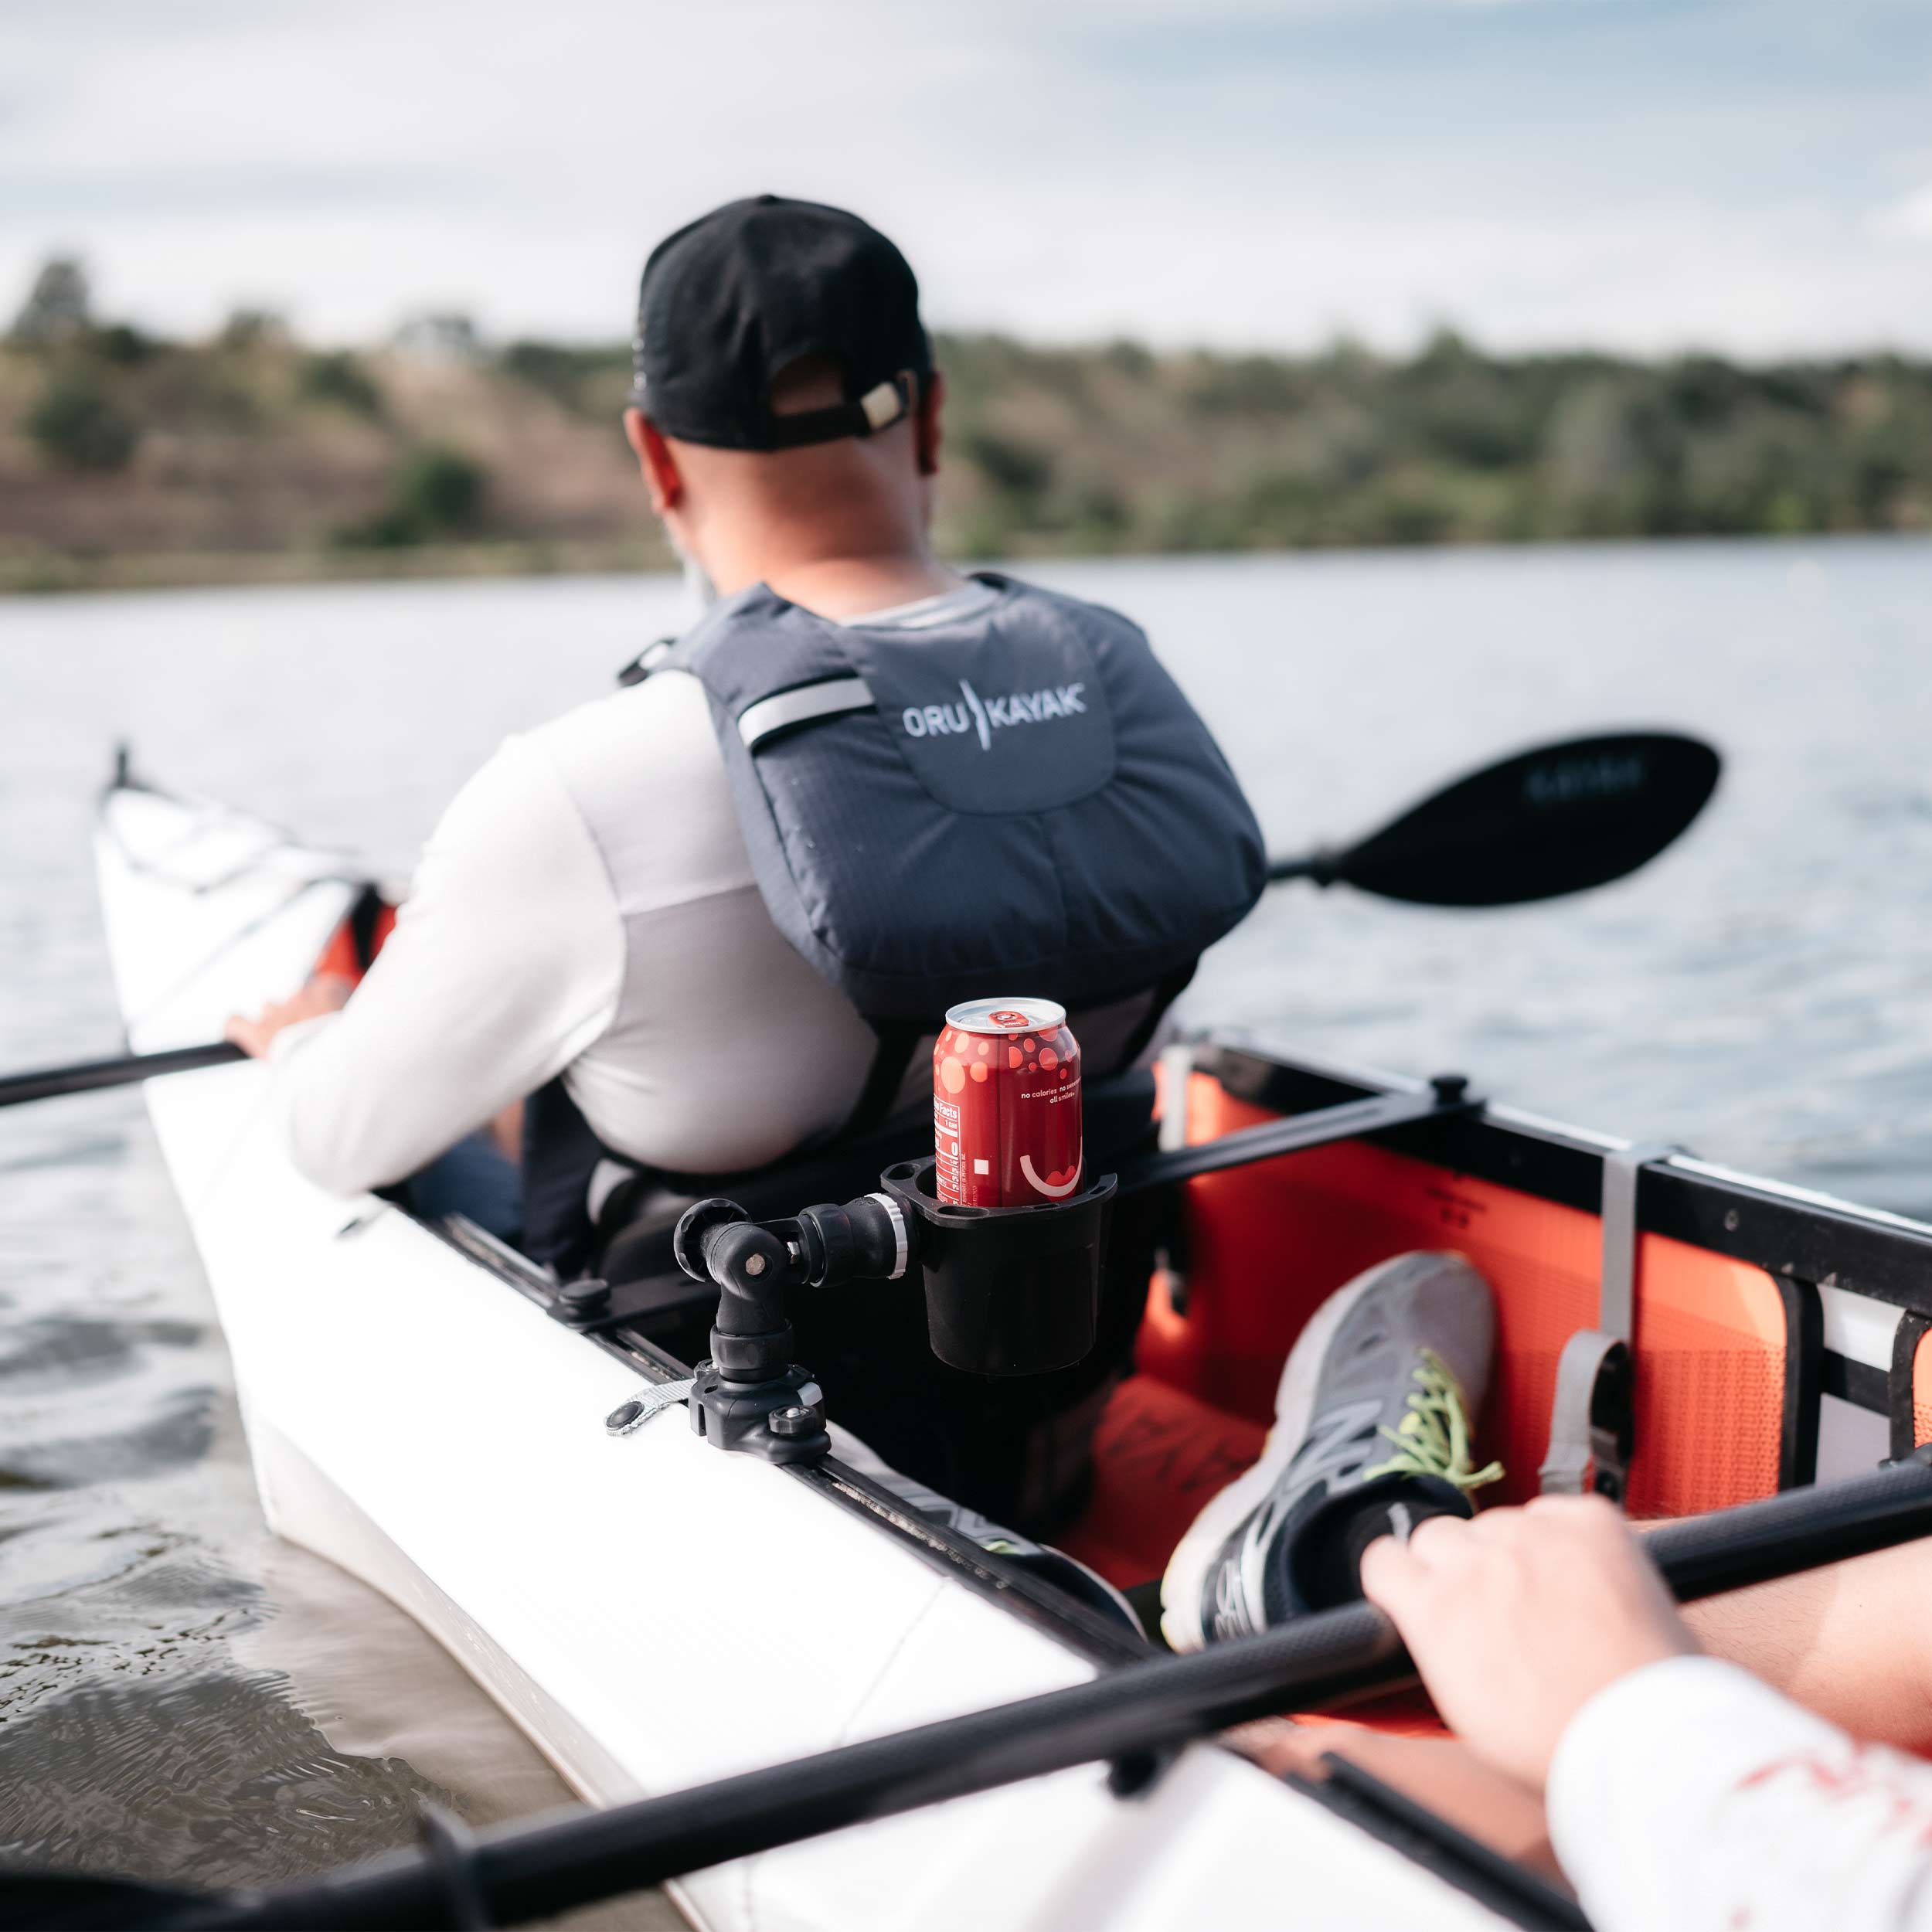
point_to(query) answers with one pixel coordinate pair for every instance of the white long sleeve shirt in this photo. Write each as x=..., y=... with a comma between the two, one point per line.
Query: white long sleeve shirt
x=586, y=904
x=1690, y=1797
x=586, y=907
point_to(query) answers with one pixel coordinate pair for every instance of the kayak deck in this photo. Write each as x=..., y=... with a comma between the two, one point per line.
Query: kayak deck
x=654, y=1613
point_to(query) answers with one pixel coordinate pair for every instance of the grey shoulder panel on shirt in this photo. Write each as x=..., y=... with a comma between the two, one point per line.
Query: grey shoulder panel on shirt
x=643, y=767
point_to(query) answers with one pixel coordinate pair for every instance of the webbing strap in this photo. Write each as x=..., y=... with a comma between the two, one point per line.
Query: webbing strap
x=1589, y=1418
x=1177, y=1071
x=823, y=698
x=647, y=660
x=1592, y=1418
x=880, y=407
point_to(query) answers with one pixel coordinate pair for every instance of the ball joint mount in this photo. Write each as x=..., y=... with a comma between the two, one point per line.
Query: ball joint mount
x=748, y=1394
x=1008, y=1292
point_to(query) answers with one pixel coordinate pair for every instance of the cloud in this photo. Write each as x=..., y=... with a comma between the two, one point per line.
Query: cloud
x=1242, y=172
x=1908, y=219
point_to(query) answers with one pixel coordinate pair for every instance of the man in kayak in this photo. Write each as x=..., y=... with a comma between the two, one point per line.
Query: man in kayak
x=585, y=903
x=586, y=907
x=710, y=919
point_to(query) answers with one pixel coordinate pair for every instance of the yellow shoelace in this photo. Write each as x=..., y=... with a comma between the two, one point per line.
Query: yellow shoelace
x=1433, y=1438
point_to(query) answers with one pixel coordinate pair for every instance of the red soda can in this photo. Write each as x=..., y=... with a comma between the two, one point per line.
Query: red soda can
x=1006, y=1104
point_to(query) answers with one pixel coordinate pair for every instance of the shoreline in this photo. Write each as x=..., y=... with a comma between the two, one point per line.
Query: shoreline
x=54, y=574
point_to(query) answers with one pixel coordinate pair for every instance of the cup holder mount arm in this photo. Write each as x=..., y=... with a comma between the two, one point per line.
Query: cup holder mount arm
x=748, y=1394
x=1008, y=1292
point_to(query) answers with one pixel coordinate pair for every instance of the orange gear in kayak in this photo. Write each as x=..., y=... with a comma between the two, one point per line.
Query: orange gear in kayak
x=349, y=954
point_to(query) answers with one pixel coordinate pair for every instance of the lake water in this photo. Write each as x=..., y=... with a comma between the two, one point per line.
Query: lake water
x=181, y=1697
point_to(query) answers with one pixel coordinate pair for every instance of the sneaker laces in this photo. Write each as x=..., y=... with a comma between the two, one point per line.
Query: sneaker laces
x=1433, y=1438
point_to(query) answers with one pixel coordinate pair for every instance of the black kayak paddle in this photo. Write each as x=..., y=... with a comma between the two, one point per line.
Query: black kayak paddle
x=1559, y=819
x=1131, y=1716
x=120, y=1072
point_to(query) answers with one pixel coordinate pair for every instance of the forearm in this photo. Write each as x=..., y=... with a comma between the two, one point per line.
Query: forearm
x=1852, y=1642
x=1688, y=1797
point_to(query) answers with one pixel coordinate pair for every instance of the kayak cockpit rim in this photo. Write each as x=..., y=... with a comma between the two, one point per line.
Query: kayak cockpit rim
x=1352, y=1794
x=1805, y=1242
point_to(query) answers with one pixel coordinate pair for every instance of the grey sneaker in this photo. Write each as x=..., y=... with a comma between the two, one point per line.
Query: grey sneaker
x=1380, y=1388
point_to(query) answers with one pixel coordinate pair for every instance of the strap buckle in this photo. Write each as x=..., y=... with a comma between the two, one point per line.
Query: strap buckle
x=652, y=1399
x=1592, y=1419
x=1593, y=1416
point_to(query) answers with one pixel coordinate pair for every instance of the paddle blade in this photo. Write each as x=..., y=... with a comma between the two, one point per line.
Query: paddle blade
x=1559, y=819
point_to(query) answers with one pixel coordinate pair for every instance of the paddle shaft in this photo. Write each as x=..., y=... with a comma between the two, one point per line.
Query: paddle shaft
x=122, y=1071
x=1318, y=865
x=1498, y=837
x=1134, y=1713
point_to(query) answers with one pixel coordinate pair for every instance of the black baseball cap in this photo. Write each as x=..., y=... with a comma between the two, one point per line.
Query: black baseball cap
x=727, y=303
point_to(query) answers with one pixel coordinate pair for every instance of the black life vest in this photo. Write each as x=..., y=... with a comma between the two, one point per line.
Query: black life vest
x=1020, y=800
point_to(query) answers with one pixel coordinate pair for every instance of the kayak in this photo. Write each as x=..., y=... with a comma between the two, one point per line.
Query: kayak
x=425, y=1408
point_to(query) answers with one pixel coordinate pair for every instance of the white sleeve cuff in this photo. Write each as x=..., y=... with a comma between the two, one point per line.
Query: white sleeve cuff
x=1639, y=1790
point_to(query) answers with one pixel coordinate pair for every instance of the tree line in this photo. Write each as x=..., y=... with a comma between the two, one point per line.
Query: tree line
x=1108, y=447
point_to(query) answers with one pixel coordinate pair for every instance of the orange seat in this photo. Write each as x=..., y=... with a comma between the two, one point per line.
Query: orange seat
x=1922, y=1390
x=1267, y=1243
x=341, y=957
x=1159, y=1456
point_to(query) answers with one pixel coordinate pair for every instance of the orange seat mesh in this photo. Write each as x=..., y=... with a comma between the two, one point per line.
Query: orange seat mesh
x=1159, y=1457
x=1268, y=1242
x=1922, y=1390
x=1403, y=1713
x=340, y=959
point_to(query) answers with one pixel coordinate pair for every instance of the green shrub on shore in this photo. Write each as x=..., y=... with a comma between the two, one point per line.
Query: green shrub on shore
x=124, y=345
x=340, y=378
x=436, y=493
x=74, y=423
x=442, y=490
x=1119, y=449
x=593, y=382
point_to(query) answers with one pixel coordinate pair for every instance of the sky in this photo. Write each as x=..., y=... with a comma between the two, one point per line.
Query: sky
x=1750, y=176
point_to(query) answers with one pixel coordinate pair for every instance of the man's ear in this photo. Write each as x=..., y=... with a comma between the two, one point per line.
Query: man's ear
x=926, y=436
x=654, y=460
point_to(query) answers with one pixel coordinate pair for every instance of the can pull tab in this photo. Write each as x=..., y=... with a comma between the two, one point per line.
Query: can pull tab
x=653, y=1399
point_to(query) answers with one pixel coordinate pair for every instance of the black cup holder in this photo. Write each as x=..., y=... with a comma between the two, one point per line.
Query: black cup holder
x=1009, y=1291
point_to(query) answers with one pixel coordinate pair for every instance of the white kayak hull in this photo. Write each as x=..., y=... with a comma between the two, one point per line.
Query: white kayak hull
x=652, y=1612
